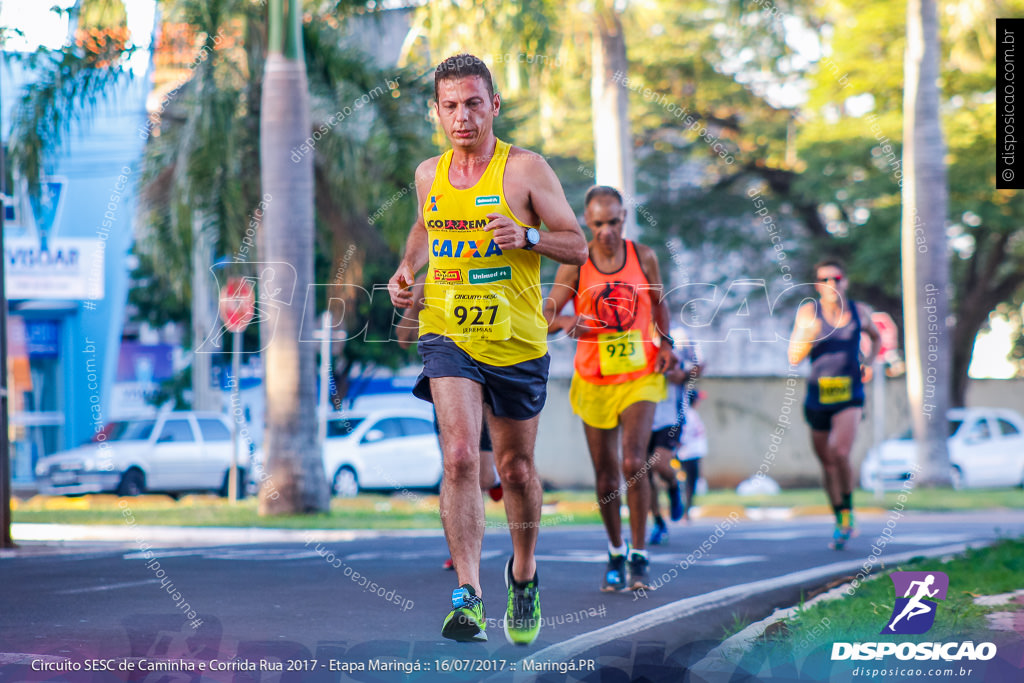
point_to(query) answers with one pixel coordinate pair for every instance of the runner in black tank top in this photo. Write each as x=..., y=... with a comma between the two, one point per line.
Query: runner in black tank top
x=830, y=332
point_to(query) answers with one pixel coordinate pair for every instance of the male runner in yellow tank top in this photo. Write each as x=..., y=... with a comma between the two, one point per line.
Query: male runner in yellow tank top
x=482, y=334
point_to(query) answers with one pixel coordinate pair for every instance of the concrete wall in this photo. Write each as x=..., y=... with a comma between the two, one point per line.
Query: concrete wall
x=741, y=416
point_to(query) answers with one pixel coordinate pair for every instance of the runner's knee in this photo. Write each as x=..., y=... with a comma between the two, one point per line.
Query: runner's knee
x=461, y=460
x=634, y=465
x=607, y=483
x=517, y=471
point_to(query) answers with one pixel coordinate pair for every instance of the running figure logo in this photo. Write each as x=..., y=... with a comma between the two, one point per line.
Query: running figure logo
x=913, y=613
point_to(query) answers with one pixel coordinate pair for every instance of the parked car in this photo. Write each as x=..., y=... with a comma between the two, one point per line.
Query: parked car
x=381, y=449
x=173, y=452
x=986, y=449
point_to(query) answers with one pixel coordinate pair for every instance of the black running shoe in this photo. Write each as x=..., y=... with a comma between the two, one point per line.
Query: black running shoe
x=615, y=574
x=637, y=567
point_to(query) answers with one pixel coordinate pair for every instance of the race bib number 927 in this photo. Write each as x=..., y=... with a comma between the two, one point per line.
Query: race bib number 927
x=477, y=316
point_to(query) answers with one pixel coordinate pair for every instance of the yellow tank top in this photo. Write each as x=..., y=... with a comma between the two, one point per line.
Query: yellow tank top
x=488, y=301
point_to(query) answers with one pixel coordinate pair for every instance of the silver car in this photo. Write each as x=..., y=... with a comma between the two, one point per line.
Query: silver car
x=986, y=449
x=381, y=449
x=173, y=452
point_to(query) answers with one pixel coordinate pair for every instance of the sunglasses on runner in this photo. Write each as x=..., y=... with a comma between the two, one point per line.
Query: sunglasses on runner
x=832, y=278
x=612, y=223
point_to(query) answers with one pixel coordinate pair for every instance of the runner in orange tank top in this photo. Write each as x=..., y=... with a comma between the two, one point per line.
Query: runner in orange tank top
x=622, y=349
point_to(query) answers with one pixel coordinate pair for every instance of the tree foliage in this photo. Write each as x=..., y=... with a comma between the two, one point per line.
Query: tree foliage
x=202, y=158
x=984, y=227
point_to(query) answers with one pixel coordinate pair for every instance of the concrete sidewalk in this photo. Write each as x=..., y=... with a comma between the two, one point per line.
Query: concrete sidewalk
x=47, y=539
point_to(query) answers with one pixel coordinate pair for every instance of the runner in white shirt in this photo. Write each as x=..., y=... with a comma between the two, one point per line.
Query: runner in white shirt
x=670, y=417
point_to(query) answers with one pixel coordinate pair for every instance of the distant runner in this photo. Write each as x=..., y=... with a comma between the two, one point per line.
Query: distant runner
x=667, y=434
x=830, y=332
x=694, y=447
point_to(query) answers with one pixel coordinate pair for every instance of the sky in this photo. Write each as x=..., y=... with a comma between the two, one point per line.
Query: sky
x=40, y=26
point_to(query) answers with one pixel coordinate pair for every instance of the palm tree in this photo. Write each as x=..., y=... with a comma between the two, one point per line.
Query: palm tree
x=202, y=164
x=613, y=137
x=924, y=252
x=293, y=461
x=203, y=152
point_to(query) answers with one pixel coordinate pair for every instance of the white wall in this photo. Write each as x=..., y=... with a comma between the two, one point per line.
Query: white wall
x=741, y=415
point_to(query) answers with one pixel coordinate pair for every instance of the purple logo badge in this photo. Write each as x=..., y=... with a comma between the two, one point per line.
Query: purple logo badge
x=916, y=592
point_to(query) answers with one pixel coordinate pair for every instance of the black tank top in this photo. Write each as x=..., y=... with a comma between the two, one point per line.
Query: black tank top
x=835, y=381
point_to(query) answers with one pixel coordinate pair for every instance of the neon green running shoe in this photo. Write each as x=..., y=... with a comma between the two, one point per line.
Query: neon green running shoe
x=466, y=622
x=522, y=616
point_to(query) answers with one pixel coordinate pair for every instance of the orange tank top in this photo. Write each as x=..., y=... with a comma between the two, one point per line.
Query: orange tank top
x=620, y=345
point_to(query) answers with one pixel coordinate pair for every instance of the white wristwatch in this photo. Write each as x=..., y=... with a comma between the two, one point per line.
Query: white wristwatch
x=532, y=238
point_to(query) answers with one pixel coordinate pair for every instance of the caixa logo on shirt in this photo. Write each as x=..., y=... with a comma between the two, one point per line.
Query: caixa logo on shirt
x=913, y=613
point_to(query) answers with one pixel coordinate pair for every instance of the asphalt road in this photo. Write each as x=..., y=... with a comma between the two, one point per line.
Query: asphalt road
x=341, y=610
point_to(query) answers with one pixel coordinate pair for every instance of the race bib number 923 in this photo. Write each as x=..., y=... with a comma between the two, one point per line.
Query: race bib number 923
x=621, y=352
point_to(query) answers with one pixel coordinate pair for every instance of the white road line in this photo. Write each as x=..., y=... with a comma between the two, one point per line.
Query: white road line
x=589, y=558
x=689, y=606
x=163, y=554
x=909, y=538
x=917, y=539
x=733, y=561
x=195, y=536
x=414, y=556
x=108, y=587
x=258, y=555
x=673, y=558
x=777, y=535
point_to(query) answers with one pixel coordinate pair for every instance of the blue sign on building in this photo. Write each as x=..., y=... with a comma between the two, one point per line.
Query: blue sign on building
x=67, y=271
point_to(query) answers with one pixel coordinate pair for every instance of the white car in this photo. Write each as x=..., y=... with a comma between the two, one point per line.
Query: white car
x=173, y=452
x=381, y=449
x=986, y=449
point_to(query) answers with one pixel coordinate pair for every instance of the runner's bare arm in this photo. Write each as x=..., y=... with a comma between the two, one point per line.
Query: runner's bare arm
x=867, y=326
x=561, y=292
x=415, y=257
x=659, y=309
x=408, y=327
x=529, y=179
x=805, y=331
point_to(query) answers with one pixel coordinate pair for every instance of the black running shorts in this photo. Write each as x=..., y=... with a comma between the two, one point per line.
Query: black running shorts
x=515, y=391
x=666, y=437
x=820, y=420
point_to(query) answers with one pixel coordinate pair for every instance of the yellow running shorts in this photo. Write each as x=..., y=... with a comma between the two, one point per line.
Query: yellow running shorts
x=601, y=404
